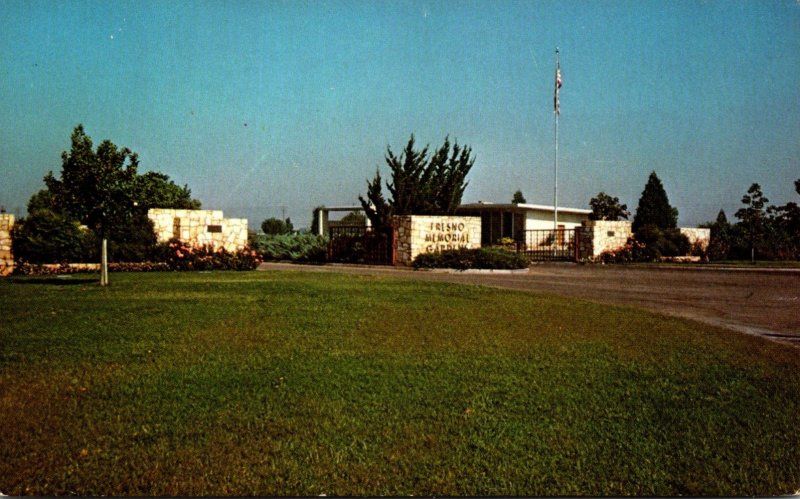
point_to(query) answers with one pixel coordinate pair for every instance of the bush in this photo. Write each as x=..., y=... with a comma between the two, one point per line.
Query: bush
x=633, y=251
x=650, y=244
x=30, y=269
x=135, y=242
x=662, y=242
x=48, y=237
x=463, y=259
x=302, y=248
x=179, y=256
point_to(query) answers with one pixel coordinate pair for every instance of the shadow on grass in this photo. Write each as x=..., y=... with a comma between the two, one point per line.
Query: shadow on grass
x=66, y=280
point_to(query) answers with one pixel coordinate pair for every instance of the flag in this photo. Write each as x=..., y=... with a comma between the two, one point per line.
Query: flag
x=556, y=103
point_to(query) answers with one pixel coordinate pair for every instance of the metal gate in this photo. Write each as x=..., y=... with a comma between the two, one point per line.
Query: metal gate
x=549, y=245
x=360, y=244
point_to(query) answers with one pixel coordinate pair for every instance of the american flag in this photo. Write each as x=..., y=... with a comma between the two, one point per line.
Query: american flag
x=556, y=103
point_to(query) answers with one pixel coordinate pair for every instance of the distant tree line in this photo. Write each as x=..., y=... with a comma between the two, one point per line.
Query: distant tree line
x=765, y=232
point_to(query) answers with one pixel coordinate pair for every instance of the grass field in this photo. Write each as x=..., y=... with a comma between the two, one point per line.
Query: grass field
x=267, y=383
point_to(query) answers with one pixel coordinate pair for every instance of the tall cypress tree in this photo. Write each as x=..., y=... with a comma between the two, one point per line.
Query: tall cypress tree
x=421, y=183
x=654, y=208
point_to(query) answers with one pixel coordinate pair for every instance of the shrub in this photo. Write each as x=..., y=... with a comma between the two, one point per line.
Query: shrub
x=48, y=237
x=303, y=248
x=180, y=256
x=463, y=259
x=662, y=242
x=633, y=251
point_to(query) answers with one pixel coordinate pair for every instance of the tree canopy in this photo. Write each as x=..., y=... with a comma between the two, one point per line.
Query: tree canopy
x=605, y=207
x=275, y=226
x=518, y=198
x=421, y=183
x=102, y=189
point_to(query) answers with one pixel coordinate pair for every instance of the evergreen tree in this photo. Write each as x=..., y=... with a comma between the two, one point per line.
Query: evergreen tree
x=752, y=218
x=654, y=208
x=420, y=185
x=518, y=198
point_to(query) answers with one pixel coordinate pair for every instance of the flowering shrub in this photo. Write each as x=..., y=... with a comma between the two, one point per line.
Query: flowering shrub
x=633, y=251
x=180, y=256
x=173, y=256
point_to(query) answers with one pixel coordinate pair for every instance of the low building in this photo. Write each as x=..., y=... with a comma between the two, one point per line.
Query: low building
x=499, y=221
x=199, y=228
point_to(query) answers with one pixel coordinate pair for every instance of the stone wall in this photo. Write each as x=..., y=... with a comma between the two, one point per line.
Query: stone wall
x=6, y=257
x=597, y=236
x=415, y=234
x=199, y=228
x=701, y=237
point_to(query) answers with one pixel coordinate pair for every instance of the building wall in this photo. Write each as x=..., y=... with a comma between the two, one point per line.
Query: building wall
x=543, y=220
x=416, y=234
x=6, y=257
x=199, y=228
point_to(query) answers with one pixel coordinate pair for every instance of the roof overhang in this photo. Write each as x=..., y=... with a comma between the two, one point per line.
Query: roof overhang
x=519, y=207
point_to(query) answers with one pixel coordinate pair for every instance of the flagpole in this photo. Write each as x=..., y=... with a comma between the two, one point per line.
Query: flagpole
x=555, y=174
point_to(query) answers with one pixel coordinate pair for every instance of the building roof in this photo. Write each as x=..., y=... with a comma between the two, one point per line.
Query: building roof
x=519, y=207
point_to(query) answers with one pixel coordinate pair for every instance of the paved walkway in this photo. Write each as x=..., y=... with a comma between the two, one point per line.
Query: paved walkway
x=761, y=302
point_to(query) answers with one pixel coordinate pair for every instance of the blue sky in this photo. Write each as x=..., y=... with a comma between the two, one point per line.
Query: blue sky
x=271, y=107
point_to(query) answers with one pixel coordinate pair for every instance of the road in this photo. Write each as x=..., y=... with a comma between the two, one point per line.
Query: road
x=761, y=302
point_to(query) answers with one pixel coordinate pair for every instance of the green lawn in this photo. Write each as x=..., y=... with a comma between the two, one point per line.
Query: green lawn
x=268, y=383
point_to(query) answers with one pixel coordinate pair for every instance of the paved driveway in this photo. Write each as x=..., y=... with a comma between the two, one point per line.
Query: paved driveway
x=762, y=302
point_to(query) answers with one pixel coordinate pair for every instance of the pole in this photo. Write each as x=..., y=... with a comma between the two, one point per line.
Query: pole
x=557, y=105
x=104, y=263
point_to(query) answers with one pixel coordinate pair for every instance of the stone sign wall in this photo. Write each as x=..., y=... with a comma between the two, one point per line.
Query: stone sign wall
x=415, y=234
x=597, y=236
x=199, y=228
x=6, y=257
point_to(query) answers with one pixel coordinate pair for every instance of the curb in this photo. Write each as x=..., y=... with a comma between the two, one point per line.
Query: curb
x=475, y=271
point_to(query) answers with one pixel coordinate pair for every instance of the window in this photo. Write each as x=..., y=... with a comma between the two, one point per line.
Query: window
x=214, y=228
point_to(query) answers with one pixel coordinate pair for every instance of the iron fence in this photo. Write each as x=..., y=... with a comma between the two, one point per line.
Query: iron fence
x=360, y=244
x=548, y=245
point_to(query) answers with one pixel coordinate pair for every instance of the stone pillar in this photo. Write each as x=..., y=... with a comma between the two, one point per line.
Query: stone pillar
x=597, y=236
x=6, y=256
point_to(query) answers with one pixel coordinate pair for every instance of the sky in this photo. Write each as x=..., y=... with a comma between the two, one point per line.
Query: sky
x=270, y=108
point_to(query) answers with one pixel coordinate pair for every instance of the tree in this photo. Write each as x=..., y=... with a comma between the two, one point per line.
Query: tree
x=275, y=226
x=95, y=187
x=784, y=228
x=420, y=185
x=102, y=190
x=354, y=218
x=655, y=223
x=518, y=198
x=654, y=208
x=156, y=190
x=605, y=207
x=752, y=218
x=719, y=246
